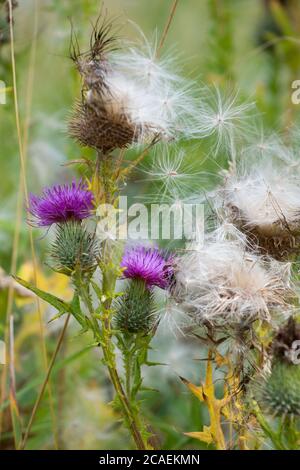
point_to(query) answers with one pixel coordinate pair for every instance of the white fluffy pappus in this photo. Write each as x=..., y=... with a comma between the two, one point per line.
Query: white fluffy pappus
x=161, y=99
x=145, y=61
x=224, y=117
x=223, y=284
x=263, y=200
x=129, y=95
x=263, y=146
x=124, y=97
x=173, y=171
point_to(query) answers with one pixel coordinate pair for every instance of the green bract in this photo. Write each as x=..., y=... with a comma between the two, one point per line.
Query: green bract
x=135, y=309
x=74, y=248
x=280, y=393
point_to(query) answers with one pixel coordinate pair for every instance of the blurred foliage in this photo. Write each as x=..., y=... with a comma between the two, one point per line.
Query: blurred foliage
x=252, y=45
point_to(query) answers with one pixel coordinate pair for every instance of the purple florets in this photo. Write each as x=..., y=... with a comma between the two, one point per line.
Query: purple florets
x=149, y=264
x=61, y=203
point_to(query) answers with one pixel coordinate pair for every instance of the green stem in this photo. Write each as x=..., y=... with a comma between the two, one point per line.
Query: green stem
x=109, y=356
x=110, y=361
x=105, y=192
x=275, y=437
x=127, y=363
x=125, y=404
x=290, y=432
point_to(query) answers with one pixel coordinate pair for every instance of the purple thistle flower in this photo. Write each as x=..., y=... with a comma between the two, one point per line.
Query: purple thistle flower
x=60, y=203
x=149, y=264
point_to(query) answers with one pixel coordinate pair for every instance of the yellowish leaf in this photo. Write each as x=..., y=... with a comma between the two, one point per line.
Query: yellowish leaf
x=213, y=404
x=220, y=360
x=204, y=436
x=197, y=391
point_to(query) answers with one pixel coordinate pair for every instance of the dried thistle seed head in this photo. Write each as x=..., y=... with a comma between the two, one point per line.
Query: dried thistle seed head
x=278, y=393
x=98, y=130
x=118, y=108
x=74, y=249
x=135, y=310
x=95, y=122
x=223, y=284
x=93, y=64
x=264, y=202
x=283, y=345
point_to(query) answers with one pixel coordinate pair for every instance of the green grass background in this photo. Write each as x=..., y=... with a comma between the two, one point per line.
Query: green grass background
x=217, y=42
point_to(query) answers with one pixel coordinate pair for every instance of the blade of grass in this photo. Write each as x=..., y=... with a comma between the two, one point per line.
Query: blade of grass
x=11, y=295
x=14, y=409
x=37, y=381
x=22, y=153
x=15, y=247
x=167, y=26
x=44, y=385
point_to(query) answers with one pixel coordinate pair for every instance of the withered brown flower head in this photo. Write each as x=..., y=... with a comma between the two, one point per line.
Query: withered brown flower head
x=282, y=345
x=93, y=123
x=104, y=118
x=129, y=95
x=100, y=130
x=263, y=202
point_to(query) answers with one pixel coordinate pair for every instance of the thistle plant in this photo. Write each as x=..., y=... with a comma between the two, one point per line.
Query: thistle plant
x=145, y=268
x=225, y=284
x=116, y=110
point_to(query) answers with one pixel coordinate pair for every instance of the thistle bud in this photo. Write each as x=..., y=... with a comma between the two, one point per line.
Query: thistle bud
x=280, y=393
x=74, y=249
x=135, y=309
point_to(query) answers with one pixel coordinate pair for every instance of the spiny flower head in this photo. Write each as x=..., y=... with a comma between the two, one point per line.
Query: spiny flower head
x=74, y=250
x=61, y=203
x=224, y=284
x=264, y=201
x=278, y=392
x=148, y=264
x=278, y=389
x=135, y=309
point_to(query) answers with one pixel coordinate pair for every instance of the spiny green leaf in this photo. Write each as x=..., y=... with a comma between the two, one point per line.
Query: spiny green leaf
x=97, y=289
x=56, y=302
x=76, y=310
x=56, y=317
